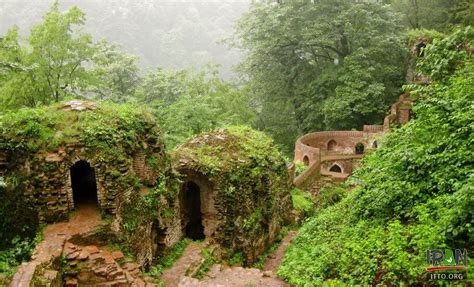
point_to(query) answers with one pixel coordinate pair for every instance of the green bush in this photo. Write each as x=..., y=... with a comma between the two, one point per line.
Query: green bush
x=415, y=193
x=18, y=219
x=300, y=167
x=302, y=201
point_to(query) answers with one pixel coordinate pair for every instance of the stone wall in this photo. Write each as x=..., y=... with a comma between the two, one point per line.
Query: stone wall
x=400, y=113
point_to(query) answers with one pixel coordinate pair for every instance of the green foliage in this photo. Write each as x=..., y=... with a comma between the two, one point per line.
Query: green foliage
x=330, y=195
x=115, y=73
x=300, y=167
x=237, y=259
x=189, y=103
x=415, y=192
x=109, y=128
x=162, y=263
x=440, y=15
x=18, y=219
x=19, y=250
x=209, y=260
x=302, y=201
x=52, y=66
x=321, y=65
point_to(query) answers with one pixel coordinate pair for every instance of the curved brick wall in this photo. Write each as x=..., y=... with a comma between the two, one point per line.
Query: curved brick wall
x=312, y=149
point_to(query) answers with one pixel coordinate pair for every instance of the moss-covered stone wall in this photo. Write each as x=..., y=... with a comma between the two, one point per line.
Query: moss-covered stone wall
x=244, y=189
x=121, y=143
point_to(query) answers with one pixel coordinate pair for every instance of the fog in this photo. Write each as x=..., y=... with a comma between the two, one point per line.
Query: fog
x=170, y=34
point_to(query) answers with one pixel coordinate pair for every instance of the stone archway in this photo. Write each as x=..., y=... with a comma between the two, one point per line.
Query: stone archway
x=191, y=215
x=331, y=146
x=306, y=160
x=336, y=168
x=359, y=148
x=83, y=184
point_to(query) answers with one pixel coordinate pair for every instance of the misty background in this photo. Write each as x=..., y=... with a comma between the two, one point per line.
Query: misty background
x=170, y=34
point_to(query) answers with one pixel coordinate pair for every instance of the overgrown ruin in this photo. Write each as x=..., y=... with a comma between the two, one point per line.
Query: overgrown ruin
x=227, y=187
x=235, y=186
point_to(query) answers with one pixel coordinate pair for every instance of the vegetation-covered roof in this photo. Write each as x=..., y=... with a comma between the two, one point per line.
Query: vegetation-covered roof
x=230, y=150
x=92, y=125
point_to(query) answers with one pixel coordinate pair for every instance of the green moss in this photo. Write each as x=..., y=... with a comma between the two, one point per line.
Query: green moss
x=162, y=263
x=108, y=128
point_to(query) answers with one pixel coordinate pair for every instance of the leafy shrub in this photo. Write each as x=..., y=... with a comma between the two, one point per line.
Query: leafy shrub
x=300, y=167
x=330, y=195
x=302, y=201
x=415, y=193
x=18, y=219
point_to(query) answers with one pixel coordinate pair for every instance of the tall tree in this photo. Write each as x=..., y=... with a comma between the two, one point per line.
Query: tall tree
x=435, y=14
x=321, y=65
x=55, y=57
x=116, y=73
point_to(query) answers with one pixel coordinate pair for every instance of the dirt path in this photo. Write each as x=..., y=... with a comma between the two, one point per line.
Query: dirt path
x=275, y=259
x=234, y=277
x=86, y=219
x=172, y=276
x=230, y=276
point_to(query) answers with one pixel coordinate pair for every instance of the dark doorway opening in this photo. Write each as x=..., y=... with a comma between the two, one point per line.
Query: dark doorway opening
x=191, y=208
x=84, y=188
x=359, y=148
x=306, y=160
x=335, y=168
x=332, y=145
x=420, y=49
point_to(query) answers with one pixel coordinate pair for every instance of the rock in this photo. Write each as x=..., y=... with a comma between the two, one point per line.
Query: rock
x=117, y=255
x=130, y=266
x=97, y=258
x=84, y=276
x=83, y=255
x=101, y=271
x=139, y=282
x=267, y=273
x=71, y=283
x=115, y=275
x=73, y=255
x=92, y=249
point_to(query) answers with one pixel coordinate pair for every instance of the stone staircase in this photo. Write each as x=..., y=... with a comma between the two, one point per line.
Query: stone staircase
x=91, y=266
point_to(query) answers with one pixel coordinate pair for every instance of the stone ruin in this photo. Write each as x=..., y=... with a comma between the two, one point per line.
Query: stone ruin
x=230, y=187
x=235, y=187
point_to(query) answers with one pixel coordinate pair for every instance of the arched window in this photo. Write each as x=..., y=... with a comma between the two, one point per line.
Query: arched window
x=420, y=49
x=335, y=168
x=359, y=148
x=374, y=144
x=306, y=160
x=332, y=145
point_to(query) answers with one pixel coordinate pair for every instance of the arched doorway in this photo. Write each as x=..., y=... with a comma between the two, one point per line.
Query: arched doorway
x=306, y=160
x=419, y=49
x=83, y=183
x=332, y=145
x=374, y=144
x=359, y=148
x=335, y=168
x=191, y=214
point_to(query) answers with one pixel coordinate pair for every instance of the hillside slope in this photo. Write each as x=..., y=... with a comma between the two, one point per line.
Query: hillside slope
x=415, y=193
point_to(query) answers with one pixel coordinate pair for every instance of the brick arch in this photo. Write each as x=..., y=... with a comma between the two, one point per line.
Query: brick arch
x=359, y=148
x=306, y=160
x=99, y=174
x=335, y=167
x=331, y=145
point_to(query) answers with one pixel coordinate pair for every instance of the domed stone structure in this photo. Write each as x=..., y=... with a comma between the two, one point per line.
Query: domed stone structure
x=235, y=190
